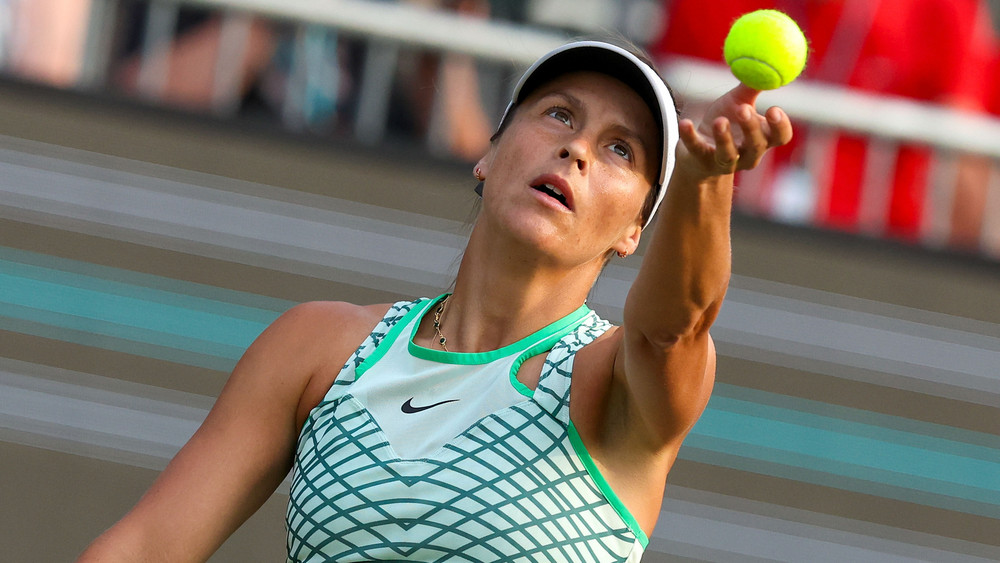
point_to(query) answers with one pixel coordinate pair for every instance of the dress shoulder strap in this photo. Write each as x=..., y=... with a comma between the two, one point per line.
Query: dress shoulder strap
x=552, y=393
x=397, y=312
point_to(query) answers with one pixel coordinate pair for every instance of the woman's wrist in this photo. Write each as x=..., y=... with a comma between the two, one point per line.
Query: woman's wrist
x=691, y=174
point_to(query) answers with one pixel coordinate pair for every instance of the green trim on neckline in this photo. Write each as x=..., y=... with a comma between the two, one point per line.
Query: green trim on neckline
x=390, y=337
x=540, y=347
x=602, y=484
x=479, y=358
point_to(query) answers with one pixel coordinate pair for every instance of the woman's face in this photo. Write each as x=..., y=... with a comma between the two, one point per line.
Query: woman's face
x=573, y=168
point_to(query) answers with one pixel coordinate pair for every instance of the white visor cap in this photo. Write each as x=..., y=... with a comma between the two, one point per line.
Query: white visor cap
x=606, y=58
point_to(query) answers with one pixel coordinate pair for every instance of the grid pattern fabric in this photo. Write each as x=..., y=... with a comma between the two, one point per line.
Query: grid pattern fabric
x=509, y=488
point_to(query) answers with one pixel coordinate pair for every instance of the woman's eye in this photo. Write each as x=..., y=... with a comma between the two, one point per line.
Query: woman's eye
x=560, y=114
x=622, y=150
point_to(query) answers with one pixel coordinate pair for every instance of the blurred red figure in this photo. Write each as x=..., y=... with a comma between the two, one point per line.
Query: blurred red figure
x=928, y=50
x=698, y=29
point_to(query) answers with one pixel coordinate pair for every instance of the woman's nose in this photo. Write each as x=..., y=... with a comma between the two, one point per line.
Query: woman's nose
x=577, y=149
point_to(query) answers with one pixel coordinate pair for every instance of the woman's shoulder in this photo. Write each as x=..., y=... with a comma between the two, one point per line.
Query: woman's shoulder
x=330, y=322
x=321, y=313
x=323, y=335
x=316, y=332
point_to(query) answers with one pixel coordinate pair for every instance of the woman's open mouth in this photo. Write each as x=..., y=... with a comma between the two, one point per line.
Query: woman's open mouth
x=552, y=191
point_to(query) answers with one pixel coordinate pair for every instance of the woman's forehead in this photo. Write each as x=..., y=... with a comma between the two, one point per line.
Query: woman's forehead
x=596, y=83
x=598, y=91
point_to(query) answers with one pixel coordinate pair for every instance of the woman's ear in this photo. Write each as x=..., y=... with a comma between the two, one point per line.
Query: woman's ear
x=629, y=243
x=482, y=168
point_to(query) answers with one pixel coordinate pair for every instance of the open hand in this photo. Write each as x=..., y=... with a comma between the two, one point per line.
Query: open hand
x=717, y=148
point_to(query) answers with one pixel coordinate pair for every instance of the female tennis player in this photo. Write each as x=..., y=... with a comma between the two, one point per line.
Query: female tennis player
x=505, y=421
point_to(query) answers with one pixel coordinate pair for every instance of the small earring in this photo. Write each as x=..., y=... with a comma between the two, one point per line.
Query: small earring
x=479, y=174
x=622, y=254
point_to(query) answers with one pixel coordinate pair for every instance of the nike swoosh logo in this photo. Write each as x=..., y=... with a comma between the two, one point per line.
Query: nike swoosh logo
x=408, y=407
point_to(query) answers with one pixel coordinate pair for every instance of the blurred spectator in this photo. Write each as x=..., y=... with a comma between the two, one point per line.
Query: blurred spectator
x=310, y=79
x=437, y=96
x=305, y=74
x=47, y=39
x=930, y=50
x=977, y=198
x=203, y=60
x=203, y=57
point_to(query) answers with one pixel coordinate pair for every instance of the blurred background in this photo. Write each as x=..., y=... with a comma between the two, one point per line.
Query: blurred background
x=175, y=174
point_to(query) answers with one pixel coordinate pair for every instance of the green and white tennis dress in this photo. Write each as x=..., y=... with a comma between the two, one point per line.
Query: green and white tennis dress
x=425, y=455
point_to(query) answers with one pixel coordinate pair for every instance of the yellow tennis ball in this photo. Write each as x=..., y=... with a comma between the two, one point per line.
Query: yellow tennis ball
x=765, y=49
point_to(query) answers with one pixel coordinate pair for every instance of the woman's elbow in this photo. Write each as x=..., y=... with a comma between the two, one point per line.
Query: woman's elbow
x=666, y=330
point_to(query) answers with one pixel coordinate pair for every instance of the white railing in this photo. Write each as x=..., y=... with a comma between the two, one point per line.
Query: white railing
x=405, y=24
x=893, y=117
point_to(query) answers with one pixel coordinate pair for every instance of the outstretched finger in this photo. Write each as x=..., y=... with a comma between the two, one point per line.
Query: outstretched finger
x=755, y=136
x=694, y=141
x=689, y=136
x=779, y=127
x=727, y=154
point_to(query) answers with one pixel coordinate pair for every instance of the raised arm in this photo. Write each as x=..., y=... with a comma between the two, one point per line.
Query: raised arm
x=244, y=448
x=666, y=357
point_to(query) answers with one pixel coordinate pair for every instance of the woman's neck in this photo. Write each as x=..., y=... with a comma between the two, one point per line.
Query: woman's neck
x=503, y=294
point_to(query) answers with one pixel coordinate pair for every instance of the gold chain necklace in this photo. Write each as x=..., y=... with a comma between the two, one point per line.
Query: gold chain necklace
x=437, y=324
